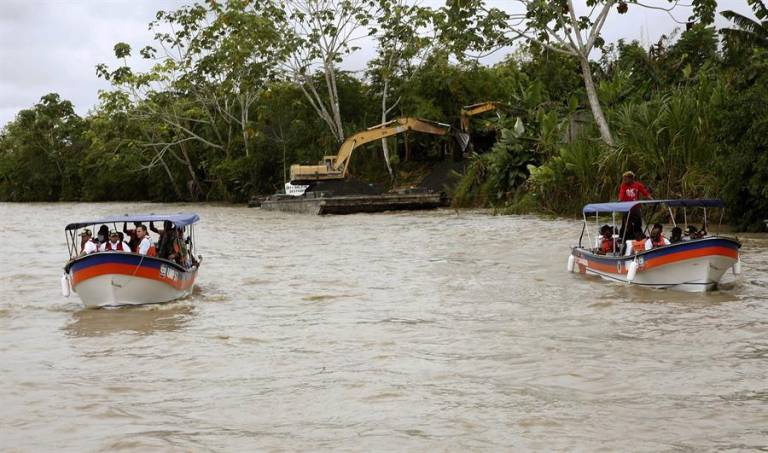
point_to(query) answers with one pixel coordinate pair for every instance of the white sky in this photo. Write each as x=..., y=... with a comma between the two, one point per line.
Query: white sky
x=54, y=45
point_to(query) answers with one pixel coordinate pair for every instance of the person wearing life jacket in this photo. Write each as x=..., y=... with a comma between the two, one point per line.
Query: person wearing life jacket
x=145, y=245
x=175, y=246
x=114, y=244
x=657, y=239
x=87, y=244
x=636, y=245
x=606, y=240
x=165, y=238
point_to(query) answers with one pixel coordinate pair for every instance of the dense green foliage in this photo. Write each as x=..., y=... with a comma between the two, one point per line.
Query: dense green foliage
x=219, y=117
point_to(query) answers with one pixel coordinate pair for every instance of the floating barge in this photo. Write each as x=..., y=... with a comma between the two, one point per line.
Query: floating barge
x=322, y=203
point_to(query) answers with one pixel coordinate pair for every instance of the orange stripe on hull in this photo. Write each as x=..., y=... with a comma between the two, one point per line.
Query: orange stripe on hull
x=662, y=260
x=690, y=254
x=131, y=270
x=611, y=268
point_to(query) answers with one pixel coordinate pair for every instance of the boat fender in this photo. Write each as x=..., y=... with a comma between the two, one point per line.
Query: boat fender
x=571, y=263
x=632, y=271
x=65, y=285
x=737, y=267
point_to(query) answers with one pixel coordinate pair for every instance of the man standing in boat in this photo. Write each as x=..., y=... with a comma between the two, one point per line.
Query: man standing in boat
x=632, y=190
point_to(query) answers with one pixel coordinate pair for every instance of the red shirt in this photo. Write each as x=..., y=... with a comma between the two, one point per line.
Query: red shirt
x=632, y=192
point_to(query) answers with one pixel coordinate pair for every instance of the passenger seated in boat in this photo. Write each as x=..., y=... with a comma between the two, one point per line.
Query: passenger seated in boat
x=133, y=240
x=692, y=233
x=677, y=235
x=102, y=235
x=145, y=245
x=657, y=239
x=165, y=240
x=114, y=244
x=182, y=251
x=87, y=244
x=636, y=245
x=606, y=240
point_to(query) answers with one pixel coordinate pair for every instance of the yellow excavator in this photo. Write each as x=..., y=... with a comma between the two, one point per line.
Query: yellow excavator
x=337, y=167
x=468, y=111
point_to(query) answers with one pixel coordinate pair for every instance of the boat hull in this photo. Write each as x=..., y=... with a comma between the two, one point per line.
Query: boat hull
x=116, y=278
x=693, y=266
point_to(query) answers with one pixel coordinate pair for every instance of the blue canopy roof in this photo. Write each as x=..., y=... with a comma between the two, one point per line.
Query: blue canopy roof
x=626, y=206
x=180, y=220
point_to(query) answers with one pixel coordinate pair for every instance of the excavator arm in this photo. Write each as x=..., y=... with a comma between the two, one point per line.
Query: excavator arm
x=468, y=111
x=337, y=167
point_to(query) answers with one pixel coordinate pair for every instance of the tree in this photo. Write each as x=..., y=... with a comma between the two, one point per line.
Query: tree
x=213, y=64
x=322, y=33
x=556, y=25
x=401, y=40
x=40, y=152
x=750, y=31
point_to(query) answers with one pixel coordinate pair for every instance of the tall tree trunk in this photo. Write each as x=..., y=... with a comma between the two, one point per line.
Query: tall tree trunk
x=333, y=98
x=195, y=189
x=244, y=124
x=170, y=178
x=384, y=147
x=594, y=102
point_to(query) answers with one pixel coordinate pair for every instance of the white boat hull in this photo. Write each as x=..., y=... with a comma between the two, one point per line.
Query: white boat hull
x=694, y=266
x=115, y=278
x=114, y=289
x=695, y=275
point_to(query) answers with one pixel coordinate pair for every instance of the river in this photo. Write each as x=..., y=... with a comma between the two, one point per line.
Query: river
x=427, y=331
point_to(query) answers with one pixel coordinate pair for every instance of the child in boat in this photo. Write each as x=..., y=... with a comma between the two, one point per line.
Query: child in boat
x=657, y=239
x=677, y=235
x=636, y=245
x=606, y=240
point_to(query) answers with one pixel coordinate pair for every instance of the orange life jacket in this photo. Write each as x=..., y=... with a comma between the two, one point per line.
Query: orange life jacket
x=108, y=247
x=606, y=245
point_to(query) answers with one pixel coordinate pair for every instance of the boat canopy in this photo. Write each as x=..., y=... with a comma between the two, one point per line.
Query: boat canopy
x=180, y=220
x=626, y=206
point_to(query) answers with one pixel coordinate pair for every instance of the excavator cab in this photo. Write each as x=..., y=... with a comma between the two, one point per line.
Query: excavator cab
x=329, y=161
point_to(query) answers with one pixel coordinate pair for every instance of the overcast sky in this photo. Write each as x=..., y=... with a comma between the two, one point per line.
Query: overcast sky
x=53, y=45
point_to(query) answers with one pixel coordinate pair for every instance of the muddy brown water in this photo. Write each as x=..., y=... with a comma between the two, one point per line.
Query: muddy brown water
x=405, y=331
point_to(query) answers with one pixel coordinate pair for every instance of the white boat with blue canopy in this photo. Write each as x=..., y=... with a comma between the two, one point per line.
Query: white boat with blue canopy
x=696, y=262
x=114, y=278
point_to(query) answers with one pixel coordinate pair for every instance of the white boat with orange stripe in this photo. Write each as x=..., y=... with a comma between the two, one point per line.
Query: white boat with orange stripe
x=115, y=278
x=696, y=264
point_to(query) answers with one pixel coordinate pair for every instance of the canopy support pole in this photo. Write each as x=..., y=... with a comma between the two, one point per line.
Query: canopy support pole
x=589, y=236
x=706, y=227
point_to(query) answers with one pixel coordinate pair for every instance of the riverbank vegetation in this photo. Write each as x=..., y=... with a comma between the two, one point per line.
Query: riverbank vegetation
x=237, y=91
